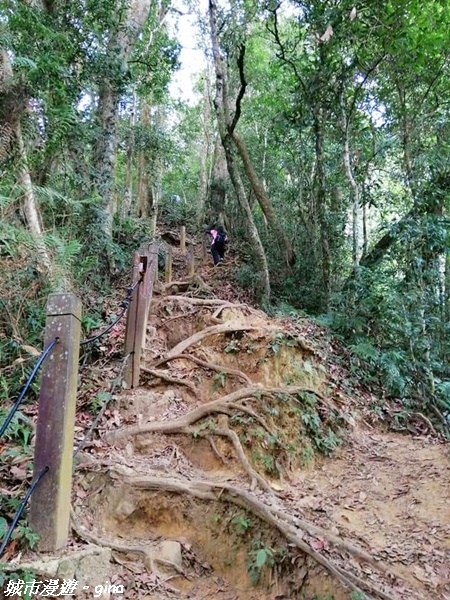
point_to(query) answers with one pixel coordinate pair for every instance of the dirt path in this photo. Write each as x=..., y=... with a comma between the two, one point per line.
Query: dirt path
x=391, y=492
x=384, y=494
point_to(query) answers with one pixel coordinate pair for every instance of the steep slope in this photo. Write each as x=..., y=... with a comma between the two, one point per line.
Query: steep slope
x=252, y=450
x=249, y=465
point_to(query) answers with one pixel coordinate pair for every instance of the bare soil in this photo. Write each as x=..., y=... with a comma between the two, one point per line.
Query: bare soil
x=238, y=479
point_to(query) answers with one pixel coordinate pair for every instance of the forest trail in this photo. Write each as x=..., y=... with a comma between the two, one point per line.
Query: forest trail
x=211, y=483
x=381, y=492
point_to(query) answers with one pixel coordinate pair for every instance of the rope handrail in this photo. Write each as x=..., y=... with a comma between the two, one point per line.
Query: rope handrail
x=93, y=425
x=21, y=508
x=32, y=375
x=125, y=305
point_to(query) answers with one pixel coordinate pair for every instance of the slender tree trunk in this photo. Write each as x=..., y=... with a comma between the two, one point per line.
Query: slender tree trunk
x=263, y=199
x=355, y=193
x=119, y=51
x=405, y=126
x=320, y=203
x=29, y=203
x=143, y=186
x=128, y=197
x=218, y=187
x=221, y=104
x=365, y=247
x=155, y=187
x=205, y=149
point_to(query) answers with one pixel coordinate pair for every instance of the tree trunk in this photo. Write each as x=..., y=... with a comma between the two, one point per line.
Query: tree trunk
x=263, y=200
x=205, y=149
x=221, y=104
x=29, y=202
x=320, y=204
x=128, y=196
x=119, y=52
x=218, y=187
x=143, y=187
x=355, y=193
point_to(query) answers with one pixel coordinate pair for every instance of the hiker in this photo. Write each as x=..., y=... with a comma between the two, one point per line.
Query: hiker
x=218, y=244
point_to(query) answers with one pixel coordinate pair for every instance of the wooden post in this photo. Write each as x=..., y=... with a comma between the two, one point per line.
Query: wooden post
x=191, y=261
x=204, y=248
x=168, y=272
x=50, y=503
x=183, y=240
x=144, y=264
x=156, y=263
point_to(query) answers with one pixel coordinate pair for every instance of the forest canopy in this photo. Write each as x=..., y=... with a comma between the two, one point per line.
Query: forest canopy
x=319, y=138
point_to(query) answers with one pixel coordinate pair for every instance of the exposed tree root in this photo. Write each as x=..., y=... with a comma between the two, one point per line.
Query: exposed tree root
x=212, y=330
x=195, y=301
x=148, y=556
x=169, y=379
x=211, y=491
x=222, y=304
x=214, y=449
x=186, y=284
x=222, y=405
x=206, y=365
x=234, y=439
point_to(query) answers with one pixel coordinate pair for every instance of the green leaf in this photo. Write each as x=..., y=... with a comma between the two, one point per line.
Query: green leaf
x=261, y=557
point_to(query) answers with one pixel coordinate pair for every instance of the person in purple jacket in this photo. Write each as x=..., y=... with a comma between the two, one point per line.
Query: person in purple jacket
x=219, y=241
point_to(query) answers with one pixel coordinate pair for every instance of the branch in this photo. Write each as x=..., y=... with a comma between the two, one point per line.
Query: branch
x=241, y=94
x=206, y=365
x=222, y=405
x=169, y=379
x=212, y=330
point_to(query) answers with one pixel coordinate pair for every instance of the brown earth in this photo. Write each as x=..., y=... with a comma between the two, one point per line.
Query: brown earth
x=260, y=456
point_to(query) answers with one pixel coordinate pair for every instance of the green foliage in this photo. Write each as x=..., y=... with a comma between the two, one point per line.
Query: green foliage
x=219, y=381
x=97, y=402
x=19, y=429
x=247, y=277
x=232, y=346
x=242, y=523
x=261, y=556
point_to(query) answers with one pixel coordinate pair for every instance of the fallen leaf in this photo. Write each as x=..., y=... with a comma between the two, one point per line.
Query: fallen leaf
x=31, y=350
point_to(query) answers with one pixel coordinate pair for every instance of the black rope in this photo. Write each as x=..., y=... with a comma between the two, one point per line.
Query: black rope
x=117, y=380
x=21, y=508
x=26, y=386
x=125, y=305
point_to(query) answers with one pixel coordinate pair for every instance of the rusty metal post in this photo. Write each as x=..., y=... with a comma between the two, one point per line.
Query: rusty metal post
x=50, y=503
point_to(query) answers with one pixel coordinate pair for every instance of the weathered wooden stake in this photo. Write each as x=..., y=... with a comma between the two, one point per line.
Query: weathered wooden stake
x=191, y=261
x=145, y=264
x=168, y=271
x=204, y=248
x=183, y=240
x=50, y=502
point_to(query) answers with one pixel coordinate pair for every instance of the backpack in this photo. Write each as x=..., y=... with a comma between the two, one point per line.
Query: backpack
x=221, y=238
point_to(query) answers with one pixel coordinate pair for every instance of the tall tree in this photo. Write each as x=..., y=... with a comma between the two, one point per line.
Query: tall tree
x=225, y=124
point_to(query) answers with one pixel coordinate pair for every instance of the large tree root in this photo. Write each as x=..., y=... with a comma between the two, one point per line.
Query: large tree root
x=169, y=379
x=210, y=491
x=222, y=405
x=255, y=477
x=208, y=302
x=213, y=330
x=206, y=365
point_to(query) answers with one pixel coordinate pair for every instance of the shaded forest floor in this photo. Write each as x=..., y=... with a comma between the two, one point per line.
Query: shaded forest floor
x=251, y=465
